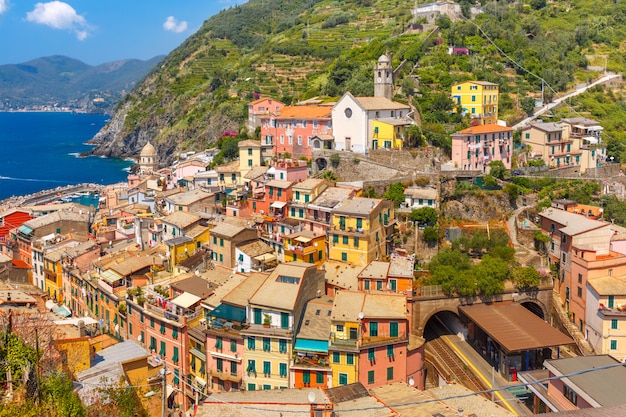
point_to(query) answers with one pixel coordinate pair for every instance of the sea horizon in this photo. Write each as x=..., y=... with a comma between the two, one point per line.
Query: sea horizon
x=42, y=151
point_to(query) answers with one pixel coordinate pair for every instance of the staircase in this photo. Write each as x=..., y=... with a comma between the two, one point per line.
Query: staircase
x=582, y=344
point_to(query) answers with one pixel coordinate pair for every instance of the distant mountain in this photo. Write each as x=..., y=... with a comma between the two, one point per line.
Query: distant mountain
x=59, y=81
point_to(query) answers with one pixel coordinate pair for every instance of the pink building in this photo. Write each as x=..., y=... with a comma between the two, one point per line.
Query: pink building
x=293, y=129
x=261, y=108
x=475, y=147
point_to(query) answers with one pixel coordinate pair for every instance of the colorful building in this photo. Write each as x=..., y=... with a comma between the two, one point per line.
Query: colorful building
x=605, y=324
x=224, y=239
x=292, y=130
x=261, y=108
x=389, y=133
x=360, y=229
x=249, y=155
x=310, y=366
x=475, y=147
x=305, y=246
x=478, y=99
x=274, y=310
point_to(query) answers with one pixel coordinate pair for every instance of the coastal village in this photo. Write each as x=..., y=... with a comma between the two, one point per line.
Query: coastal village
x=267, y=287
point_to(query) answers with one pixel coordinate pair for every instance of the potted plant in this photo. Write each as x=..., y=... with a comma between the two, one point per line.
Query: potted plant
x=267, y=320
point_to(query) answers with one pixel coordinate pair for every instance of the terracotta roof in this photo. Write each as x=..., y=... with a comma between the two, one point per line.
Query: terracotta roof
x=485, y=129
x=316, y=319
x=250, y=143
x=514, y=327
x=475, y=82
x=254, y=248
x=181, y=219
x=375, y=269
x=305, y=112
x=279, y=294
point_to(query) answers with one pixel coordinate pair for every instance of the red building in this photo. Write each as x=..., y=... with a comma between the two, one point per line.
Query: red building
x=293, y=129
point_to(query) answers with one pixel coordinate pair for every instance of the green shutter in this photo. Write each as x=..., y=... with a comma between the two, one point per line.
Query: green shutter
x=251, y=343
x=389, y=373
x=282, y=346
x=370, y=377
x=306, y=377
x=283, y=369
x=393, y=329
x=175, y=356
x=371, y=355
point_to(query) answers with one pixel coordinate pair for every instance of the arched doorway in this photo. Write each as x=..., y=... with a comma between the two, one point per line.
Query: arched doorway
x=322, y=163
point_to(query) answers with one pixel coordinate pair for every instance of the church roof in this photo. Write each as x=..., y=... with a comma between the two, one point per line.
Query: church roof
x=148, y=150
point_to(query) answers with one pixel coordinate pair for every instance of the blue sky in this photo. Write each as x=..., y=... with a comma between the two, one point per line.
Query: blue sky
x=99, y=31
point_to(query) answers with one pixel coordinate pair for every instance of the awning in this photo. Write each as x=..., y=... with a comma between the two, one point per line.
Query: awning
x=303, y=239
x=278, y=204
x=271, y=170
x=169, y=390
x=266, y=257
x=51, y=305
x=63, y=311
x=229, y=313
x=25, y=230
x=591, y=139
x=514, y=327
x=311, y=345
x=186, y=300
x=109, y=276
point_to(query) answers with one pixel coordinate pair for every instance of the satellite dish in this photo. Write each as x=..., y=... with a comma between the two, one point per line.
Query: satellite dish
x=311, y=397
x=411, y=382
x=361, y=315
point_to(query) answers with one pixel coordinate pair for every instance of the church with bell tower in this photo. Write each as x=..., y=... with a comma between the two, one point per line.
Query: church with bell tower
x=383, y=77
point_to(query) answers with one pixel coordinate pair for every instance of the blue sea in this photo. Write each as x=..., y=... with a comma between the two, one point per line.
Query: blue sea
x=40, y=151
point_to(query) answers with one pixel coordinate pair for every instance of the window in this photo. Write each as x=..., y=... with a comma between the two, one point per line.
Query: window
x=613, y=344
x=233, y=368
x=389, y=373
x=370, y=377
x=366, y=284
x=218, y=342
x=221, y=242
x=356, y=242
x=393, y=329
x=319, y=378
x=233, y=345
x=570, y=394
x=284, y=320
x=613, y=323
x=266, y=344
x=336, y=357
x=340, y=328
x=335, y=238
x=344, y=240
x=251, y=387
x=282, y=346
x=266, y=387
x=163, y=351
x=374, y=329
x=306, y=378
x=611, y=301
x=344, y=256
x=299, y=140
x=343, y=379
x=251, y=366
x=282, y=370
x=350, y=358
x=251, y=343
x=371, y=354
x=176, y=379
x=580, y=278
x=175, y=355
x=152, y=343
x=352, y=333
x=580, y=292
x=267, y=368
x=257, y=316
x=175, y=332
x=390, y=351
x=151, y=321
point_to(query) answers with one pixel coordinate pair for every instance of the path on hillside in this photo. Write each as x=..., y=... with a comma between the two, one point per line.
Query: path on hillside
x=523, y=254
x=558, y=101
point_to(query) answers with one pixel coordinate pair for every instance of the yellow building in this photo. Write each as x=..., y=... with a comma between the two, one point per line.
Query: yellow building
x=53, y=271
x=388, y=133
x=306, y=246
x=343, y=351
x=605, y=321
x=249, y=155
x=75, y=353
x=478, y=99
x=360, y=230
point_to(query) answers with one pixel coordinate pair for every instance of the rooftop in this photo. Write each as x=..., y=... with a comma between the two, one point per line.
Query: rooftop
x=227, y=230
x=375, y=270
x=331, y=197
x=181, y=219
x=278, y=293
x=342, y=274
x=604, y=387
x=609, y=285
x=279, y=184
x=546, y=127
x=316, y=321
x=359, y=206
x=196, y=286
x=240, y=295
x=189, y=197
x=380, y=103
x=492, y=128
x=254, y=248
x=305, y=112
x=575, y=223
x=215, y=299
x=308, y=184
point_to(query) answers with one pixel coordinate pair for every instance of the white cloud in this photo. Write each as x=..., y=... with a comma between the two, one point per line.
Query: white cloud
x=4, y=6
x=173, y=25
x=59, y=15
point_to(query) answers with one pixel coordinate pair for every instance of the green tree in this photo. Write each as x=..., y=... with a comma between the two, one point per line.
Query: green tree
x=395, y=193
x=431, y=235
x=335, y=160
x=526, y=277
x=329, y=175
x=528, y=105
x=540, y=240
x=424, y=216
x=497, y=169
x=490, y=275
x=512, y=190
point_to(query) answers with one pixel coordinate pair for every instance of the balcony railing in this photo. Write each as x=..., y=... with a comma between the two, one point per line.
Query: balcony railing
x=348, y=343
x=225, y=376
x=302, y=250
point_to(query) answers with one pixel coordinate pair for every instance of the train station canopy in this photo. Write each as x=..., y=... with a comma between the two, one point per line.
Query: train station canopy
x=514, y=327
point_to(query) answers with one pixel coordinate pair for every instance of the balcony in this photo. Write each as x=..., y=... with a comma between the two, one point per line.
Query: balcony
x=382, y=339
x=302, y=250
x=319, y=219
x=263, y=330
x=344, y=343
x=315, y=362
x=155, y=310
x=224, y=376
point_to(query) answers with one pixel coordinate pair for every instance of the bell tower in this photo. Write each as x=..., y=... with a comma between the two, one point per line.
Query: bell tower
x=383, y=77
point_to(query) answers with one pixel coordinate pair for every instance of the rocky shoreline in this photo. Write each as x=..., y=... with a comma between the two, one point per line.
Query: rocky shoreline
x=46, y=196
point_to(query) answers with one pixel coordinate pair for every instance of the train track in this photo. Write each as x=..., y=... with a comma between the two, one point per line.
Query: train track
x=450, y=366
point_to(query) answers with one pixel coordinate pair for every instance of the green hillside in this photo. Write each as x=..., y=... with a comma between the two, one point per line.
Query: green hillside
x=298, y=49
